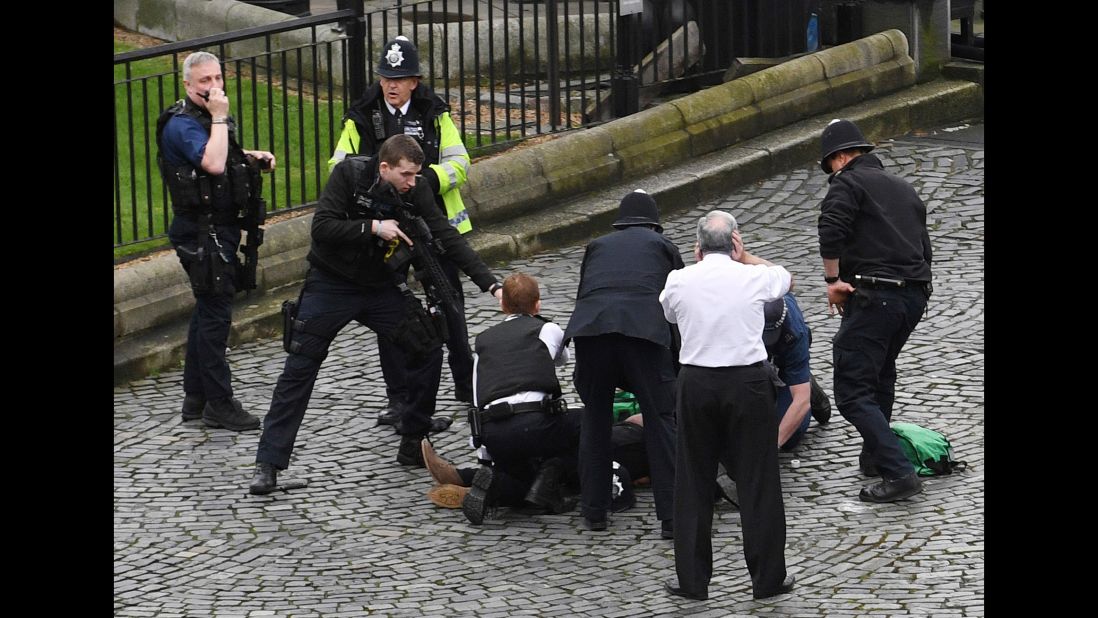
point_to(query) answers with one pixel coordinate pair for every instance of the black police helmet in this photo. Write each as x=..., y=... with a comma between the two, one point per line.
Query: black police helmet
x=774, y=314
x=399, y=58
x=840, y=135
x=638, y=208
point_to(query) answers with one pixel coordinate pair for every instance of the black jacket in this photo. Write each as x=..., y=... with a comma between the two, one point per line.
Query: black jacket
x=344, y=245
x=874, y=223
x=621, y=279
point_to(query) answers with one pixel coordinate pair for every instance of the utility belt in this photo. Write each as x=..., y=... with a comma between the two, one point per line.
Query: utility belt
x=886, y=283
x=211, y=266
x=504, y=410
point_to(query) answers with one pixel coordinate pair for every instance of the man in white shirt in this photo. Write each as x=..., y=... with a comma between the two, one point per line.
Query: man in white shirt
x=726, y=407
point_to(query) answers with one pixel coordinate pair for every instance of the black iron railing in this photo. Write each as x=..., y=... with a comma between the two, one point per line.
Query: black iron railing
x=509, y=71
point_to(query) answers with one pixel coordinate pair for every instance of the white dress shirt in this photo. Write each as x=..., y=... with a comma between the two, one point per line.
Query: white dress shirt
x=718, y=305
x=403, y=108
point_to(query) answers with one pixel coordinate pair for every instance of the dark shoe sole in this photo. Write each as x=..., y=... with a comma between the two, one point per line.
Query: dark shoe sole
x=224, y=425
x=667, y=534
x=679, y=592
x=903, y=495
x=595, y=525
x=438, y=425
x=786, y=587
x=475, y=503
x=261, y=490
x=190, y=417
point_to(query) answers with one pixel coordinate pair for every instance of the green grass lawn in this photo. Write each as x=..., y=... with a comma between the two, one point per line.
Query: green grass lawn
x=269, y=119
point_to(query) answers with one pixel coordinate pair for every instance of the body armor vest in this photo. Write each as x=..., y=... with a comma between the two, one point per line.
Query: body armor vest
x=511, y=358
x=195, y=192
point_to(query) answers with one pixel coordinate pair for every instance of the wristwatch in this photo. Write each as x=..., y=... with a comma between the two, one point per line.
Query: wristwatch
x=830, y=280
x=495, y=286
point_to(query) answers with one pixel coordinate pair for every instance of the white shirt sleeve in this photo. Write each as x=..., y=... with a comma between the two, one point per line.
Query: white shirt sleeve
x=552, y=336
x=665, y=299
x=778, y=281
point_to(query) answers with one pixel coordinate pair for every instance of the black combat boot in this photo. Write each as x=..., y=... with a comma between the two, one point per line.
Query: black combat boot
x=480, y=496
x=546, y=490
x=390, y=414
x=410, y=452
x=265, y=481
x=193, y=406
x=228, y=413
x=891, y=491
x=819, y=403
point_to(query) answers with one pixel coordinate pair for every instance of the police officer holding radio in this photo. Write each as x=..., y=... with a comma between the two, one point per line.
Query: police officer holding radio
x=212, y=182
x=357, y=232
x=399, y=103
x=876, y=257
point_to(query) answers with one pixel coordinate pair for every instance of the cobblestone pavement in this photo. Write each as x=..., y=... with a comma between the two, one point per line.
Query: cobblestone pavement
x=362, y=539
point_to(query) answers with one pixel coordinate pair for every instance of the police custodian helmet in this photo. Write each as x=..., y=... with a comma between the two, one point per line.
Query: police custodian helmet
x=399, y=58
x=638, y=208
x=840, y=135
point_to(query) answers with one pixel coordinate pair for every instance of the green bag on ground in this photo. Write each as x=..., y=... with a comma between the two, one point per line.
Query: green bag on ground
x=625, y=405
x=929, y=451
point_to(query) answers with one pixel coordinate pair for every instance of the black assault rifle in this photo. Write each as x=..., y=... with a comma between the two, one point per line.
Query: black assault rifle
x=251, y=218
x=423, y=255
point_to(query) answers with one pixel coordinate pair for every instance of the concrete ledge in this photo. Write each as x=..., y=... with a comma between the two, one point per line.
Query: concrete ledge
x=569, y=174
x=505, y=185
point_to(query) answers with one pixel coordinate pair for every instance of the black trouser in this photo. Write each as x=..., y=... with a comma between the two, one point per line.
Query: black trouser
x=606, y=362
x=726, y=414
x=519, y=444
x=460, y=355
x=876, y=324
x=329, y=303
x=206, y=372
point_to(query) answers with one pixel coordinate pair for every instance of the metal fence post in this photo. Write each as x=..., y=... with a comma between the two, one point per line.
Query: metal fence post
x=553, y=67
x=624, y=88
x=356, y=47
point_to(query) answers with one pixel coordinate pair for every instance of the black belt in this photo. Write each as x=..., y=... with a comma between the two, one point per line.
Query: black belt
x=499, y=411
x=886, y=283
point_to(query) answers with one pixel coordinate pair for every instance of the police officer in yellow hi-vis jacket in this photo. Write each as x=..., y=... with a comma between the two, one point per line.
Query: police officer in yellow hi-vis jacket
x=400, y=103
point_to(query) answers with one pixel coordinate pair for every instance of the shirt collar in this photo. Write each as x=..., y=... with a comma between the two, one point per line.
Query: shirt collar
x=717, y=257
x=403, y=108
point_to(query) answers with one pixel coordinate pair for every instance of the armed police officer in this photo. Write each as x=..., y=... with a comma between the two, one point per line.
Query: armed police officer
x=876, y=256
x=214, y=186
x=372, y=215
x=399, y=103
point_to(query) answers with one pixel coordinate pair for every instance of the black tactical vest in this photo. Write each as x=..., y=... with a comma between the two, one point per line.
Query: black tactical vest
x=511, y=359
x=195, y=192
